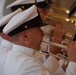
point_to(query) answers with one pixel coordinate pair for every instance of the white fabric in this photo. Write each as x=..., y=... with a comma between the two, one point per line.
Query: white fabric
x=61, y=61
x=4, y=48
x=19, y=2
x=52, y=64
x=21, y=18
x=21, y=61
x=40, y=56
x=60, y=71
x=0, y=40
x=6, y=18
x=71, y=70
x=48, y=32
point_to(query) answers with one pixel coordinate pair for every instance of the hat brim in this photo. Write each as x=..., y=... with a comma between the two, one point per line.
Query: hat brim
x=43, y=24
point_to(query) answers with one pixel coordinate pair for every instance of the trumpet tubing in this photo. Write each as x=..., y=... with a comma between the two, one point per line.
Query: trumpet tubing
x=70, y=32
x=56, y=44
x=58, y=56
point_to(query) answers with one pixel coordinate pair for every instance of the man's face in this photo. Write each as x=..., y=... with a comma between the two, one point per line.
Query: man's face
x=35, y=38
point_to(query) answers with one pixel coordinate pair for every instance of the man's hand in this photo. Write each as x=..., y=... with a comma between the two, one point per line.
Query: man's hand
x=59, y=31
x=57, y=37
x=72, y=51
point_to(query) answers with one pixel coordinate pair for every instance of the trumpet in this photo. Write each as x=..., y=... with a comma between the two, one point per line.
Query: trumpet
x=66, y=40
x=56, y=44
x=68, y=37
x=58, y=56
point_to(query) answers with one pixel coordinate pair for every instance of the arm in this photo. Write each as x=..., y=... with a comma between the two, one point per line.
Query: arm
x=71, y=52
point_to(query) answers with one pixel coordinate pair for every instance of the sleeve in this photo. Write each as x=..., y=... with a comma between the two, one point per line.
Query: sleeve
x=71, y=69
x=33, y=67
x=60, y=71
x=52, y=64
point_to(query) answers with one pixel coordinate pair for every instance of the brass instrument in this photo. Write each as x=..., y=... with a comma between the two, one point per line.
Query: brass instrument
x=67, y=39
x=70, y=31
x=62, y=18
x=56, y=44
x=68, y=36
x=58, y=56
x=63, y=10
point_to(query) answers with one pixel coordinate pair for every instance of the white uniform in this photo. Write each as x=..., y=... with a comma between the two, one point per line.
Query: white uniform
x=40, y=56
x=71, y=70
x=4, y=48
x=21, y=61
x=51, y=62
x=0, y=39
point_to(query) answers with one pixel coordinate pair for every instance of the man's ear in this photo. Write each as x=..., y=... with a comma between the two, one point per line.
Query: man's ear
x=24, y=35
x=25, y=38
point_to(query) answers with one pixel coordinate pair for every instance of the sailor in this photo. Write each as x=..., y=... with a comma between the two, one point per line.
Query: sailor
x=27, y=37
x=43, y=7
x=6, y=43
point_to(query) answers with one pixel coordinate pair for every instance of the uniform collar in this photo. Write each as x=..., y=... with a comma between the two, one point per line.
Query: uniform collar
x=6, y=43
x=23, y=49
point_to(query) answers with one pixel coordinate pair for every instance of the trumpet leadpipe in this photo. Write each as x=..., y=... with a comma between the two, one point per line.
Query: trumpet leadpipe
x=57, y=45
x=58, y=56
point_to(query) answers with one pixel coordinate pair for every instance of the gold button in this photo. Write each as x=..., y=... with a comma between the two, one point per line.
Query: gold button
x=26, y=26
x=22, y=6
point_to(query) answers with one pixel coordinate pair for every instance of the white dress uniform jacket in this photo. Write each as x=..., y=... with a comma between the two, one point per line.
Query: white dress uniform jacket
x=0, y=40
x=51, y=63
x=4, y=48
x=40, y=56
x=71, y=69
x=21, y=61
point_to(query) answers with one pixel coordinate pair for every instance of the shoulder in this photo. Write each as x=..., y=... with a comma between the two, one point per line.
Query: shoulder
x=30, y=62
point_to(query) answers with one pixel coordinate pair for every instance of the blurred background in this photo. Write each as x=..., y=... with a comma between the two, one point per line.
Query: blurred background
x=59, y=3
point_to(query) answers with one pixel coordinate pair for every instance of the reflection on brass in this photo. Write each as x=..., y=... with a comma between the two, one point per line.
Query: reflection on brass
x=67, y=37
x=56, y=44
x=58, y=56
x=61, y=18
x=60, y=9
x=70, y=33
